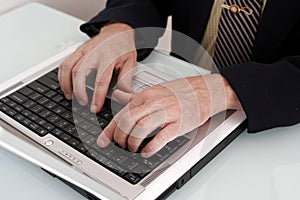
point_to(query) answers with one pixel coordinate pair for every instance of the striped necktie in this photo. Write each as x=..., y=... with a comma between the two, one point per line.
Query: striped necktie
x=237, y=28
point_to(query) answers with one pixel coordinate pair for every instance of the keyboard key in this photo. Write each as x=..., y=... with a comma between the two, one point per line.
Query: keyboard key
x=50, y=94
x=26, y=91
x=151, y=163
x=73, y=142
x=66, y=103
x=132, y=177
x=41, y=132
x=43, y=101
x=110, y=164
x=107, y=114
x=103, y=123
x=26, y=122
x=29, y=104
x=58, y=98
x=19, y=98
x=58, y=110
x=59, y=91
x=119, y=158
x=45, y=113
x=81, y=134
x=89, y=140
x=81, y=148
x=142, y=170
x=54, y=118
x=5, y=100
x=109, y=151
x=37, y=109
x=51, y=105
x=19, y=118
x=57, y=132
x=34, y=126
x=92, y=118
x=67, y=115
x=130, y=164
x=26, y=113
x=49, y=82
x=65, y=137
x=70, y=129
x=33, y=117
x=35, y=96
x=85, y=125
x=62, y=123
x=10, y=103
x=38, y=87
x=120, y=170
x=101, y=159
x=53, y=76
x=76, y=108
x=92, y=153
x=7, y=110
x=18, y=108
x=77, y=119
x=48, y=126
x=4, y=108
x=83, y=112
x=95, y=130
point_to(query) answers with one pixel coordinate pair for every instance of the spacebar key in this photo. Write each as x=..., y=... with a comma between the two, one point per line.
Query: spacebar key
x=132, y=177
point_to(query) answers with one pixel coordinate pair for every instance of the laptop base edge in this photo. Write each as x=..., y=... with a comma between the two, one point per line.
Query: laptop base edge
x=183, y=179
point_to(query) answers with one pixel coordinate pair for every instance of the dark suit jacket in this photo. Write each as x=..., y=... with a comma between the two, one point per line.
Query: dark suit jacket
x=268, y=87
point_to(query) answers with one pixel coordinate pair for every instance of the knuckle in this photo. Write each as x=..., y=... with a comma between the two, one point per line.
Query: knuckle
x=123, y=123
x=143, y=124
x=120, y=138
x=146, y=93
x=163, y=137
x=133, y=143
x=75, y=71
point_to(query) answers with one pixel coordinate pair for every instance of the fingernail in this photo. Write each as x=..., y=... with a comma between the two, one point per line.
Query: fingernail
x=93, y=108
x=68, y=96
x=145, y=154
x=81, y=102
x=101, y=142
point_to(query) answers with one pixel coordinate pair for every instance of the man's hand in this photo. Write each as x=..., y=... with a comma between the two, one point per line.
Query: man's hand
x=177, y=107
x=113, y=49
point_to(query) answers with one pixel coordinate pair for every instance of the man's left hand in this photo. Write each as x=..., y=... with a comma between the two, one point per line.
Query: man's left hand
x=177, y=107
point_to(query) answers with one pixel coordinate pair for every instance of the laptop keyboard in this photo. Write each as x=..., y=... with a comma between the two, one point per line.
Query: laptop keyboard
x=42, y=108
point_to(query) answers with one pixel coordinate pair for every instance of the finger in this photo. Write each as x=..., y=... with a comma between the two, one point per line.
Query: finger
x=79, y=74
x=126, y=75
x=167, y=134
x=120, y=137
x=128, y=117
x=107, y=135
x=121, y=96
x=65, y=73
x=102, y=83
x=144, y=128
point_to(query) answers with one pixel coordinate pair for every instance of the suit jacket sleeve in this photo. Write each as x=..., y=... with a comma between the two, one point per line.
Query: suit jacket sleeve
x=269, y=93
x=136, y=13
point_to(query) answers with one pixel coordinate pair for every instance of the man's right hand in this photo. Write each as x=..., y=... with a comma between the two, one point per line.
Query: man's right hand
x=113, y=49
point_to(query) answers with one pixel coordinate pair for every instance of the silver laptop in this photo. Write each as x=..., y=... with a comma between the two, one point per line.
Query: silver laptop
x=60, y=136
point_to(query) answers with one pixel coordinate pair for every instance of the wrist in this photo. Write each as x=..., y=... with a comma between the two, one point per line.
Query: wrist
x=219, y=94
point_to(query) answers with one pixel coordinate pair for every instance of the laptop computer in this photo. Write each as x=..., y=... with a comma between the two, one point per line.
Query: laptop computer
x=60, y=135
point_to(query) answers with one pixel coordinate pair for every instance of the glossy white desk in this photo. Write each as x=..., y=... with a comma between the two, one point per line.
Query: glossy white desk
x=264, y=166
